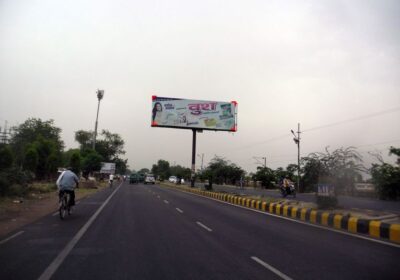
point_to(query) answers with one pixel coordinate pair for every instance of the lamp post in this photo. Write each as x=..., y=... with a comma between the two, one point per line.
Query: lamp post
x=100, y=95
x=296, y=140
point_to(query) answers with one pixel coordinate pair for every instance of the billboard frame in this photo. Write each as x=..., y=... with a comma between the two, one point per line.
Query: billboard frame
x=232, y=129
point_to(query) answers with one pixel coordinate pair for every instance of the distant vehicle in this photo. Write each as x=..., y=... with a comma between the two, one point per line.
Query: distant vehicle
x=133, y=178
x=173, y=179
x=141, y=177
x=149, y=179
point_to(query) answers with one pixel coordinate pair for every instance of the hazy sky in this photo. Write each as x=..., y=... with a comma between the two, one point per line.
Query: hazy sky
x=313, y=62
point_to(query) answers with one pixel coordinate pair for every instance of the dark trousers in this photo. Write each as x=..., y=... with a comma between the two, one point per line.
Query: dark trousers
x=71, y=193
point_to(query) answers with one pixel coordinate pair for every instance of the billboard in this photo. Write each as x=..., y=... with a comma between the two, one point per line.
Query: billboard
x=107, y=168
x=193, y=114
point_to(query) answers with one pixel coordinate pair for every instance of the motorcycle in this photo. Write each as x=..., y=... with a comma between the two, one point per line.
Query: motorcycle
x=291, y=190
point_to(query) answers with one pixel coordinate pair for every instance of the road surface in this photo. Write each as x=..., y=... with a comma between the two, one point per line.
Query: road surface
x=152, y=232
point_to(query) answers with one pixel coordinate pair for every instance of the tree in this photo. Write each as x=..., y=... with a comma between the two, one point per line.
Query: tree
x=31, y=160
x=386, y=177
x=111, y=146
x=33, y=130
x=6, y=157
x=121, y=165
x=341, y=168
x=84, y=138
x=222, y=171
x=75, y=162
x=266, y=175
x=144, y=171
x=91, y=162
x=161, y=169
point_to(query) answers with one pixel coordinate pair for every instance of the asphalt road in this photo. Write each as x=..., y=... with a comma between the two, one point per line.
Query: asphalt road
x=151, y=232
x=347, y=202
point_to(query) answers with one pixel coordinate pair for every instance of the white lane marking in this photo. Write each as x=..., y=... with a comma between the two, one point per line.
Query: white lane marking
x=271, y=268
x=52, y=268
x=301, y=222
x=55, y=214
x=204, y=226
x=166, y=201
x=11, y=237
x=179, y=210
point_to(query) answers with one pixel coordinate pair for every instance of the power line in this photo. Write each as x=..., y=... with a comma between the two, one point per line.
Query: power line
x=354, y=119
x=376, y=114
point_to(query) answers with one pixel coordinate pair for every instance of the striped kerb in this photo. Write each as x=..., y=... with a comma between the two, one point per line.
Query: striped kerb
x=374, y=228
x=303, y=214
x=258, y=205
x=344, y=223
x=264, y=206
x=271, y=208
x=352, y=225
x=363, y=226
x=278, y=209
x=395, y=233
x=285, y=210
x=324, y=218
x=313, y=216
x=294, y=212
x=337, y=221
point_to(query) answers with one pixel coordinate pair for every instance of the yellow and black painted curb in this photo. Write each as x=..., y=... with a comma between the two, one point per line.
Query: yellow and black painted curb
x=372, y=228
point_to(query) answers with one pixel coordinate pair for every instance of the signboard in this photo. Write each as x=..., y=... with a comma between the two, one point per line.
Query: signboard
x=193, y=114
x=326, y=190
x=107, y=168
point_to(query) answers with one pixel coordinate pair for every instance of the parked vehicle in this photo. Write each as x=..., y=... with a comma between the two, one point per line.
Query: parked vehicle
x=149, y=179
x=173, y=179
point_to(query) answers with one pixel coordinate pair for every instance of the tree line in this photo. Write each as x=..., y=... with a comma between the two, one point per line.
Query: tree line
x=341, y=168
x=36, y=151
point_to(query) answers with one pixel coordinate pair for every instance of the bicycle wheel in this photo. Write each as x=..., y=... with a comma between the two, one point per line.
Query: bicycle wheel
x=63, y=207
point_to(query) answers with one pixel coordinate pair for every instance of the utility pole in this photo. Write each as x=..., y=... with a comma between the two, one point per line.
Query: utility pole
x=202, y=158
x=296, y=140
x=259, y=162
x=100, y=95
x=5, y=134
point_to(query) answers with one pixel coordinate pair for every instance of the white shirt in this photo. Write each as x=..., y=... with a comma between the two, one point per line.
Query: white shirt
x=111, y=177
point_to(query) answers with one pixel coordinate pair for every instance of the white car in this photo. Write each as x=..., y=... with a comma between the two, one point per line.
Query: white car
x=173, y=179
x=149, y=179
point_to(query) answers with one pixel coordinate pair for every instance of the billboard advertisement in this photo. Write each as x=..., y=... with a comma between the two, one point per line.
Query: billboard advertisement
x=107, y=168
x=193, y=114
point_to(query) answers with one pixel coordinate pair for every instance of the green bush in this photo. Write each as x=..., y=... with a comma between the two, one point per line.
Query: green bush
x=13, y=181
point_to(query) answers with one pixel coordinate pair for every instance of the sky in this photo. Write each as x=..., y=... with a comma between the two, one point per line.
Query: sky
x=285, y=62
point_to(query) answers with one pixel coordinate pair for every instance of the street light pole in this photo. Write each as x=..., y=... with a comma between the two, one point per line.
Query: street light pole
x=296, y=140
x=100, y=95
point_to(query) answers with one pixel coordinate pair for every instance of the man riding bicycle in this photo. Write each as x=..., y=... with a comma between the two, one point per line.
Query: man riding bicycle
x=66, y=182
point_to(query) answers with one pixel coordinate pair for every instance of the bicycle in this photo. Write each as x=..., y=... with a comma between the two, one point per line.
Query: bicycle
x=65, y=206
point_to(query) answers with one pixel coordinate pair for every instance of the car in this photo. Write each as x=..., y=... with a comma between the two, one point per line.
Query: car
x=133, y=178
x=173, y=179
x=149, y=179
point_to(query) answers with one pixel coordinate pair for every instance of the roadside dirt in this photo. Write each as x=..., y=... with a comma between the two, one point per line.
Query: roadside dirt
x=15, y=212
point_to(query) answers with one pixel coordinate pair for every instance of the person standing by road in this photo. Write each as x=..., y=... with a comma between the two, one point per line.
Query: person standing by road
x=66, y=182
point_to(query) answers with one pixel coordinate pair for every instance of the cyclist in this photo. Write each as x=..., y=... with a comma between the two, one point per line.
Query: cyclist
x=111, y=180
x=66, y=182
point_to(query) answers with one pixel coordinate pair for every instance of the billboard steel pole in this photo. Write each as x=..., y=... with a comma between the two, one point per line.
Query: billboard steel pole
x=193, y=159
